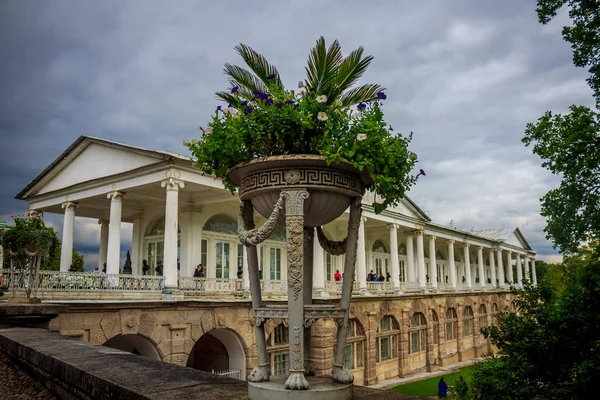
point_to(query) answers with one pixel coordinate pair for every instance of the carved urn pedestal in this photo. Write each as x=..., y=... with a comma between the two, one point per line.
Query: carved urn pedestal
x=312, y=195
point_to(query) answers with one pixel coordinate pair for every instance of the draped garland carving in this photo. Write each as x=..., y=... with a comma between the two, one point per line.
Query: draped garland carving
x=253, y=237
x=331, y=246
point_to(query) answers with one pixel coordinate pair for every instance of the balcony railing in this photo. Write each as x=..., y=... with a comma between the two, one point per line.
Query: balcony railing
x=56, y=281
x=335, y=287
x=209, y=286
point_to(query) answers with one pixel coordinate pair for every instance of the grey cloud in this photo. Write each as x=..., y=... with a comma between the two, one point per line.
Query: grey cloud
x=464, y=76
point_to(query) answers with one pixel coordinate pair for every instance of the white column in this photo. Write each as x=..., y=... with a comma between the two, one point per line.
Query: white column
x=172, y=185
x=493, y=268
x=481, y=267
x=245, y=274
x=452, y=263
x=509, y=268
x=394, y=255
x=410, y=259
x=527, y=274
x=362, y=257
x=113, y=253
x=66, y=251
x=432, y=263
x=318, y=267
x=467, y=265
x=533, y=273
x=136, y=244
x=519, y=271
x=501, y=282
x=421, y=260
x=103, y=243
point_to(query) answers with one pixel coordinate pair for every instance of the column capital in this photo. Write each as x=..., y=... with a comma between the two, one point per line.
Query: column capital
x=479, y=248
x=450, y=241
x=418, y=232
x=115, y=194
x=173, y=182
x=69, y=204
x=432, y=237
x=392, y=227
x=466, y=244
x=103, y=222
x=363, y=220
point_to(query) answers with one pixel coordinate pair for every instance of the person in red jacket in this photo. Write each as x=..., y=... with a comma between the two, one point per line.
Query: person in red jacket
x=337, y=276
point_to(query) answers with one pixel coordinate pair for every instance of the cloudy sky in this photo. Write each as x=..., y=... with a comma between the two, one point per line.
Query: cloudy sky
x=463, y=76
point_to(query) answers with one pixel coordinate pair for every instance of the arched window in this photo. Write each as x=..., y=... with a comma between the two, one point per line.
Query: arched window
x=221, y=223
x=494, y=313
x=387, y=339
x=402, y=249
x=278, y=233
x=439, y=255
x=436, y=327
x=379, y=247
x=278, y=350
x=417, y=333
x=158, y=228
x=353, y=358
x=468, y=321
x=451, y=324
x=482, y=317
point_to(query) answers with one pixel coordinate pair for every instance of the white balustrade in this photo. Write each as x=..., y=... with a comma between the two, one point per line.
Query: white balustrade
x=380, y=287
x=210, y=286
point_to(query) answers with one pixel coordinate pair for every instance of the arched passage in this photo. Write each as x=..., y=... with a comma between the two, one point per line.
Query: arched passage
x=218, y=350
x=135, y=344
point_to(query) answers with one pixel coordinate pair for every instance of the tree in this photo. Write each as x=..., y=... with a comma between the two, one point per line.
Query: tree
x=550, y=348
x=583, y=35
x=569, y=146
x=327, y=73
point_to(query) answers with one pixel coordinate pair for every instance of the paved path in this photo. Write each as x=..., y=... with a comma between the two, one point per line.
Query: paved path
x=393, y=382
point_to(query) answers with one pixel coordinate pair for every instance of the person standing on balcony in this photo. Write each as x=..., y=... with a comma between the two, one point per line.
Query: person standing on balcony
x=388, y=277
x=381, y=277
x=337, y=276
x=371, y=277
x=145, y=267
x=159, y=268
x=199, y=273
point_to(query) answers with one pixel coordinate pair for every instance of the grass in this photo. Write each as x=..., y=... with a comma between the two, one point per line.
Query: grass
x=428, y=387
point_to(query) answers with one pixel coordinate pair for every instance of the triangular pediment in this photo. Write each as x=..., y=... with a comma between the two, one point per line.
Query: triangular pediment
x=516, y=238
x=88, y=159
x=405, y=207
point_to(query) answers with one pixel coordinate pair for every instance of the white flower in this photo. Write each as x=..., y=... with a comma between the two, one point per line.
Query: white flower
x=195, y=141
x=300, y=85
x=337, y=103
x=186, y=143
x=361, y=136
x=208, y=130
x=230, y=111
x=321, y=99
x=321, y=116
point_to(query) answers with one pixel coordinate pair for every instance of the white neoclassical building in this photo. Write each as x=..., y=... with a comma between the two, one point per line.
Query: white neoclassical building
x=181, y=216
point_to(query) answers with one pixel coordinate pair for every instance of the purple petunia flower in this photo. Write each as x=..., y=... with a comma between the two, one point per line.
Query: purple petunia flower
x=296, y=106
x=269, y=102
x=248, y=110
x=271, y=76
x=263, y=96
x=289, y=102
x=234, y=89
x=361, y=106
x=218, y=108
x=381, y=96
x=228, y=105
x=255, y=92
x=421, y=172
x=253, y=98
x=278, y=105
x=243, y=103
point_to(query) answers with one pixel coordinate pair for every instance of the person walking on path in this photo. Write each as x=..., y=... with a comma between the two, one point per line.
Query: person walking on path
x=442, y=388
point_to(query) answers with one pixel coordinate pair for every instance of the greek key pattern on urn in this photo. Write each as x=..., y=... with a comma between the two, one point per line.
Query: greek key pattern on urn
x=304, y=176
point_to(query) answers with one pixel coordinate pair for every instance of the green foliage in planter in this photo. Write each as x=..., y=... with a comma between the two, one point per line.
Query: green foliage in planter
x=27, y=234
x=326, y=116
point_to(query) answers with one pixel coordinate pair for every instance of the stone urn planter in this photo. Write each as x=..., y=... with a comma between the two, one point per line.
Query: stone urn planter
x=312, y=195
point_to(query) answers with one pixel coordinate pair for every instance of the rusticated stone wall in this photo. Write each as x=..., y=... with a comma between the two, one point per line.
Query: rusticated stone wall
x=174, y=327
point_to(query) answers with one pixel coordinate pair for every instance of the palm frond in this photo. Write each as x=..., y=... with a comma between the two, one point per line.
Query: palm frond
x=351, y=70
x=362, y=93
x=244, y=78
x=228, y=98
x=259, y=65
x=322, y=65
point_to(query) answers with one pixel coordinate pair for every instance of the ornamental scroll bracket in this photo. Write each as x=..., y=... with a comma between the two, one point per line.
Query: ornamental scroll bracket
x=253, y=237
x=332, y=247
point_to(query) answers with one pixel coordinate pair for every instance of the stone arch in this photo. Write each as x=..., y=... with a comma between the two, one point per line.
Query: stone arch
x=380, y=246
x=219, y=349
x=128, y=322
x=221, y=223
x=136, y=344
x=154, y=223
